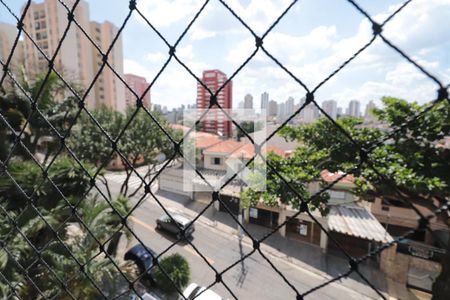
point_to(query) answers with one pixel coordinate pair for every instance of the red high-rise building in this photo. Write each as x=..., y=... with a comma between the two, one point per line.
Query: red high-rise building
x=138, y=84
x=215, y=122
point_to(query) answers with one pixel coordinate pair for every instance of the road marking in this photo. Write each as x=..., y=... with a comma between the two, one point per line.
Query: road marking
x=142, y=223
x=187, y=247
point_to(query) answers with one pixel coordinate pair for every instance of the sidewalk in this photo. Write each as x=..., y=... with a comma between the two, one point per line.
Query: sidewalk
x=303, y=255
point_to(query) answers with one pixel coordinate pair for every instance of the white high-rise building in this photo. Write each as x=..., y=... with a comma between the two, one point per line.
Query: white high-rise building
x=248, y=101
x=330, y=107
x=265, y=100
x=309, y=114
x=281, y=113
x=273, y=108
x=289, y=109
x=353, y=109
x=369, y=116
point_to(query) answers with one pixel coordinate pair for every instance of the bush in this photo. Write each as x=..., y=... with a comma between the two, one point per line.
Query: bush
x=177, y=269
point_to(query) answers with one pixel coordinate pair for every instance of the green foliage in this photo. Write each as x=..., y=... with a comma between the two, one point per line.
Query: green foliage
x=141, y=141
x=298, y=170
x=49, y=205
x=177, y=269
x=65, y=173
x=249, y=127
x=54, y=108
x=410, y=158
x=87, y=139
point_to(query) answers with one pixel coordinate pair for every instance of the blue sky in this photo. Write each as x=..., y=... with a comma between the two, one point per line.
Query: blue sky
x=314, y=38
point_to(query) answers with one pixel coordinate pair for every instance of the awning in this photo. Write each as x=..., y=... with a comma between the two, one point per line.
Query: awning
x=358, y=222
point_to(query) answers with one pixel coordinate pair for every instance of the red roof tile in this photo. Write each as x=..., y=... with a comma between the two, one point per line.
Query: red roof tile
x=330, y=177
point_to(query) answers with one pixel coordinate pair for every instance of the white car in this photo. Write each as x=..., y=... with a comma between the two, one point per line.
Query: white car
x=194, y=289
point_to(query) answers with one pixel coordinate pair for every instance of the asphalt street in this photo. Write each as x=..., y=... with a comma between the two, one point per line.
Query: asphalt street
x=213, y=250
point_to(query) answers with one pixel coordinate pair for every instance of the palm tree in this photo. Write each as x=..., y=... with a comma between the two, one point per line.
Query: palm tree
x=57, y=260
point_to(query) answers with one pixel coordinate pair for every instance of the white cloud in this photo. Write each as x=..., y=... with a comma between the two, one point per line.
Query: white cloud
x=155, y=57
x=377, y=72
x=259, y=14
x=186, y=52
x=163, y=13
x=197, y=34
x=133, y=67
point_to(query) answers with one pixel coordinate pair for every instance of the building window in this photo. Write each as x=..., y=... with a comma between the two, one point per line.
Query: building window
x=336, y=194
x=37, y=25
x=36, y=15
x=43, y=25
x=215, y=161
x=302, y=229
x=38, y=35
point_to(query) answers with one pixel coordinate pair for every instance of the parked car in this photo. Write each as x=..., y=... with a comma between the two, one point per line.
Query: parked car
x=175, y=224
x=142, y=256
x=194, y=289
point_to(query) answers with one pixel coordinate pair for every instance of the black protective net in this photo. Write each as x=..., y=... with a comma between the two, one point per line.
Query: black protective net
x=52, y=267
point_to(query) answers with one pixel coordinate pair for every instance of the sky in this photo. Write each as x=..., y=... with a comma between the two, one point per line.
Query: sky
x=311, y=41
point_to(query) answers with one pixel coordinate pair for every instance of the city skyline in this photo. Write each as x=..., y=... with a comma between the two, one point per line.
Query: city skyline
x=336, y=39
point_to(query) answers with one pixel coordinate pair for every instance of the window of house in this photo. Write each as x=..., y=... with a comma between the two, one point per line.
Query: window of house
x=43, y=25
x=253, y=212
x=215, y=160
x=395, y=202
x=36, y=15
x=337, y=194
x=302, y=229
x=38, y=35
x=37, y=25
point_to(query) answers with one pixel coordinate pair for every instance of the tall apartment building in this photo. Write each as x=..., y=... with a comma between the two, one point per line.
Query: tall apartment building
x=138, y=84
x=354, y=108
x=8, y=34
x=216, y=122
x=77, y=59
x=109, y=89
x=281, y=111
x=290, y=107
x=265, y=100
x=369, y=115
x=330, y=107
x=272, y=108
x=248, y=101
x=309, y=113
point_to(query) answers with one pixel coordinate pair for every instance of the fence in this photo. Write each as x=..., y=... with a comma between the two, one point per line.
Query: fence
x=80, y=268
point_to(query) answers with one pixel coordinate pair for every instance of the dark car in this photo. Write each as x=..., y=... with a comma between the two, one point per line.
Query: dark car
x=142, y=256
x=175, y=224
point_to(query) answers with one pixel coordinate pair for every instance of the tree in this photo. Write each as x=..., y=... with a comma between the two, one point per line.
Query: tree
x=410, y=165
x=142, y=142
x=409, y=158
x=298, y=170
x=79, y=243
x=249, y=127
x=172, y=273
x=54, y=109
